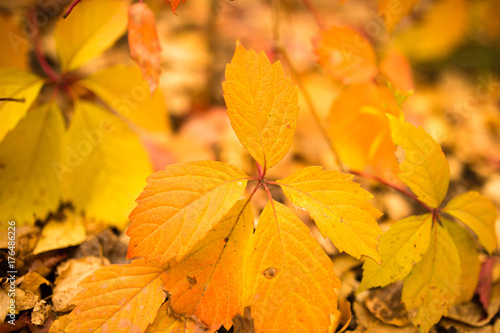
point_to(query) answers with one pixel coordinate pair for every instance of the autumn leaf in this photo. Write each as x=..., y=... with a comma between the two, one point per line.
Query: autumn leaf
x=84, y=36
x=118, y=298
x=144, y=44
x=394, y=10
x=397, y=69
x=18, y=85
x=123, y=89
x=424, y=167
x=400, y=248
x=29, y=184
x=339, y=207
x=434, y=283
x=174, y=4
x=359, y=129
x=166, y=321
x=262, y=105
x=289, y=280
x=98, y=177
x=469, y=259
x=179, y=206
x=478, y=213
x=346, y=55
x=207, y=283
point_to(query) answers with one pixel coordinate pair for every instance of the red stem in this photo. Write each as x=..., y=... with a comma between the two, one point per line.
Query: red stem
x=71, y=8
x=262, y=172
x=317, y=15
x=37, y=41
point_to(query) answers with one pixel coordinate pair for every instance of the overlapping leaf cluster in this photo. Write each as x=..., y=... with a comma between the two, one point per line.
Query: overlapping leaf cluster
x=191, y=225
x=87, y=153
x=436, y=257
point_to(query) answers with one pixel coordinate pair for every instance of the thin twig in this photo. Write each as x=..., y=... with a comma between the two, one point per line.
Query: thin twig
x=9, y=99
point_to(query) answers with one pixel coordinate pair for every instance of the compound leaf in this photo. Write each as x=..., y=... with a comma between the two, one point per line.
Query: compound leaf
x=118, y=298
x=144, y=44
x=179, y=206
x=85, y=35
x=339, y=207
x=478, y=213
x=289, y=279
x=20, y=85
x=424, y=169
x=401, y=248
x=262, y=105
x=207, y=282
x=30, y=187
x=346, y=55
x=434, y=283
x=104, y=166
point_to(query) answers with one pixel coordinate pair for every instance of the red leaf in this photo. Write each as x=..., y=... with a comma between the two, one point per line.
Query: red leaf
x=144, y=44
x=174, y=4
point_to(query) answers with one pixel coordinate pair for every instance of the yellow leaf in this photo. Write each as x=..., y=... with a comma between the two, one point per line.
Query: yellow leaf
x=16, y=84
x=289, y=280
x=144, y=44
x=123, y=89
x=30, y=188
x=118, y=298
x=478, y=213
x=346, y=55
x=401, y=248
x=394, y=10
x=469, y=259
x=434, y=283
x=262, y=105
x=104, y=166
x=167, y=322
x=179, y=206
x=200, y=284
x=60, y=234
x=86, y=34
x=359, y=129
x=339, y=207
x=14, y=44
x=424, y=169
x=435, y=35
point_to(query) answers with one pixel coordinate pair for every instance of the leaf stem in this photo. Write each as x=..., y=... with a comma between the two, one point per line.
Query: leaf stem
x=38, y=48
x=66, y=14
x=9, y=99
x=262, y=172
x=315, y=12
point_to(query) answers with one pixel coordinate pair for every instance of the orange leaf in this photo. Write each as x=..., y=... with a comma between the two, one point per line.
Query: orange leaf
x=207, y=283
x=359, y=129
x=289, y=279
x=339, y=207
x=166, y=321
x=144, y=44
x=174, y=4
x=179, y=206
x=346, y=55
x=118, y=298
x=394, y=10
x=397, y=69
x=262, y=105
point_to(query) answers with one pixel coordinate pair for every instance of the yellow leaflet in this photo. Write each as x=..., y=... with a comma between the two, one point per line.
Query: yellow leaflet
x=401, y=247
x=437, y=35
x=289, y=280
x=92, y=28
x=208, y=282
x=166, y=321
x=469, y=259
x=104, y=166
x=30, y=187
x=478, y=213
x=125, y=91
x=394, y=10
x=179, y=206
x=118, y=298
x=19, y=85
x=14, y=44
x=434, y=283
x=424, y=169
x=339, y=207
x=262, y=105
